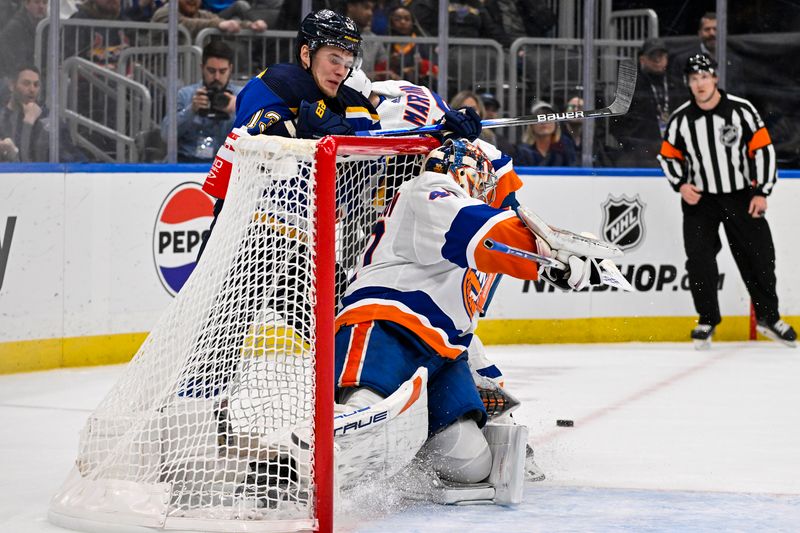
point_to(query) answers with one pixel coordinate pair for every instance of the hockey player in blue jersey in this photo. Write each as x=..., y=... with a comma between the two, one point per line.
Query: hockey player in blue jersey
x=414, y=299
x=306, y=99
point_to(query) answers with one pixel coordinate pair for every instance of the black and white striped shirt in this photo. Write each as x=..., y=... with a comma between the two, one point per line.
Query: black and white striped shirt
x=719, y=151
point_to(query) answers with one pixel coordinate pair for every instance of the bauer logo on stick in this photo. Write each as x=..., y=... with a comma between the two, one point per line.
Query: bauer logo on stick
x=623, y=221
x=547, y=117
x=184, y=216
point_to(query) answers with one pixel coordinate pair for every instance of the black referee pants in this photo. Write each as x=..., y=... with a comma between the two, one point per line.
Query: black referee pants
x=750, y=241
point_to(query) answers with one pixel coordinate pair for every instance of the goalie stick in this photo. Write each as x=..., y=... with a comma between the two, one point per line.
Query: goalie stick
x=626, y=83
x=609, y=273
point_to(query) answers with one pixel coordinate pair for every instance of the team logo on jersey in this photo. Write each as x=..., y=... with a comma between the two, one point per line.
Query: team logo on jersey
x=184, y=216
x=623, y=221
x=729, y=134
x=471, y=285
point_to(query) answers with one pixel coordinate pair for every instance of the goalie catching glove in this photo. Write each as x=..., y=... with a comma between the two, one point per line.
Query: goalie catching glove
x=576, y=255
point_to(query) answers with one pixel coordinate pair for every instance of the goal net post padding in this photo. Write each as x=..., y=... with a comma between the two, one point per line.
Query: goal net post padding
x=223, y=420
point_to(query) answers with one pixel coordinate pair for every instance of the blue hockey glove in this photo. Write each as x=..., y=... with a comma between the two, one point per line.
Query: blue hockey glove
x=464, y=123
x=315, y=120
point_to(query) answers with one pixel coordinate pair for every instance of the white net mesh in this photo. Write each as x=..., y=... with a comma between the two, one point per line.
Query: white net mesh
x=214, y=416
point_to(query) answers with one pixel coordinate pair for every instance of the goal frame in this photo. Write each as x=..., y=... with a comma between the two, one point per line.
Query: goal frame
x=328, y=148
x=136, y=494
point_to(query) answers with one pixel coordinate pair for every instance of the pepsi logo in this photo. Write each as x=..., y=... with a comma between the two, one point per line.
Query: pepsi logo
x=182, y=221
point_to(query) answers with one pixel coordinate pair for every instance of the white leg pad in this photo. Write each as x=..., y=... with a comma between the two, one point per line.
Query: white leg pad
x=381, y=438
x=508, y=444
x=459, y=453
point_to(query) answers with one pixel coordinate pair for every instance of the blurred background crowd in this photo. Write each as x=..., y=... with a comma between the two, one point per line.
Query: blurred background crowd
x=108, y=100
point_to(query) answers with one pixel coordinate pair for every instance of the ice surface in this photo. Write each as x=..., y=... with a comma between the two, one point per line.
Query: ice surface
x=665, y=439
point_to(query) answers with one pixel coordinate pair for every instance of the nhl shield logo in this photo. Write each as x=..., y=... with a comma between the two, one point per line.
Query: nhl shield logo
x=623, y=221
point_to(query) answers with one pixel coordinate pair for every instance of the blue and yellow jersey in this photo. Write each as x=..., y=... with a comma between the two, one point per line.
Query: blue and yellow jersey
x=278, y=90
x=276, y=93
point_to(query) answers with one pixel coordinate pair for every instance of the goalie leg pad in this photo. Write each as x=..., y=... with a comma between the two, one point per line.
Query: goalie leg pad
x=508, y=445
x=459, y=452
x=354, y=399
x=382, y=438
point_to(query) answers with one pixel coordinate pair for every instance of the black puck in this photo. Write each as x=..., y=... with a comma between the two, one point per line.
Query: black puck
x=565, y=423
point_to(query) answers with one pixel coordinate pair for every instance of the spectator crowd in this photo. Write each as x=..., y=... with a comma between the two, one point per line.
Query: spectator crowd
x=205, y=107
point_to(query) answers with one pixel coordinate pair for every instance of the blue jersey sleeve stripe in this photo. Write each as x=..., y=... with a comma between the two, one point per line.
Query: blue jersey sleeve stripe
x=465, y=225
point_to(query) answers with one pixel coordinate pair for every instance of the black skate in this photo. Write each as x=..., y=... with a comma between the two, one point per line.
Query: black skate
x=778, y=331
x=701, y=335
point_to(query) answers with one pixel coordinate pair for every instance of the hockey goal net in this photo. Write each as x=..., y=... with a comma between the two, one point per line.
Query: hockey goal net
x=223, y=421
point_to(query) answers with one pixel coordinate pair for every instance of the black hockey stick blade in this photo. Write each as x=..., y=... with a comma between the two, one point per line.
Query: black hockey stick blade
x=626, y=83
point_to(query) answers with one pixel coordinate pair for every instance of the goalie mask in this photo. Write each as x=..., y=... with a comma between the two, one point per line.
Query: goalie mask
x=467, y=165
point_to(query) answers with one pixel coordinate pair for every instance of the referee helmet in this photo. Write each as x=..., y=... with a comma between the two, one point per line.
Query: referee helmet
x=699, y=63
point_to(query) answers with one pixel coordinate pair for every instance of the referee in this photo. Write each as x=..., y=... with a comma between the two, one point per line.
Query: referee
x=718, y=155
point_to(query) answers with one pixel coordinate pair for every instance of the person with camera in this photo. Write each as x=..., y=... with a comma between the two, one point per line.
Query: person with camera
x=206, y=110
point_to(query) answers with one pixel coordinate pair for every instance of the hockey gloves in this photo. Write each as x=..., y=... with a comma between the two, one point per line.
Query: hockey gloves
x=582, y=272
x=315, y=120
x=464, y=123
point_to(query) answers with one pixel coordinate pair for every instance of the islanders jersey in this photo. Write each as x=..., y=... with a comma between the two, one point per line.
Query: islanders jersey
x=405, y=105
x=276, y=94
x=425, y=265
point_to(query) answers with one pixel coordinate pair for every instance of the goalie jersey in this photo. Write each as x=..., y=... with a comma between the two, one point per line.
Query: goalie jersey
x=405, y=105
x=425, y=266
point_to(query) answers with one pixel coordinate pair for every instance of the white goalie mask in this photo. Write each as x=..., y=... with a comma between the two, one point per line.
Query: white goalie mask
x=467, y=165
x=360, y=82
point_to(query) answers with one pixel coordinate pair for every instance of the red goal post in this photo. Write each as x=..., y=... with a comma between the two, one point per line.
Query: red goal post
x=223, y=420
x=327, y=151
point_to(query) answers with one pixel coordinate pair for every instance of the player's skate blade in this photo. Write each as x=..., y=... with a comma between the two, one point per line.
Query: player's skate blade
x=701, y=335
x=780, y=331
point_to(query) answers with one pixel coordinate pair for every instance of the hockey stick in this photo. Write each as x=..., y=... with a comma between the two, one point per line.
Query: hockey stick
x=626, y=83
x=609, y=273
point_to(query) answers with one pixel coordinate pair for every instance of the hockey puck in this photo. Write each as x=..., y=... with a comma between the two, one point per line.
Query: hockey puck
x=565, y=423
